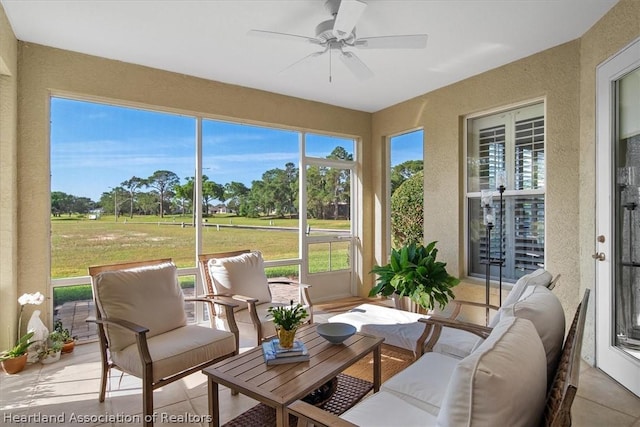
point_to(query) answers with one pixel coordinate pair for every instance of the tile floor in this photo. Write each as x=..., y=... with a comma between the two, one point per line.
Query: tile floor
x=66, y=393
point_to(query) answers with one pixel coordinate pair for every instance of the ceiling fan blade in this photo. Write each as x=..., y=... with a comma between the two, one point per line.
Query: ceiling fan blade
x=357, y=67
x=283, y=36
x=304, y=59
x=413, y=41
x=347, y=17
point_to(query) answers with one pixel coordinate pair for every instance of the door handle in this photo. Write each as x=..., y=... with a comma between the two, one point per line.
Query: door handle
x=599, y=256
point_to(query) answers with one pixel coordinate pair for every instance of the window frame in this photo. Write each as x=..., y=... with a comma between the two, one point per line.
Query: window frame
x=509, y=151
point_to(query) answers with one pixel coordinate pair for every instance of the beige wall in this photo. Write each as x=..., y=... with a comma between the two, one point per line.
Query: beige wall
x=46, y=70
x=8, y=171
x=551, y=75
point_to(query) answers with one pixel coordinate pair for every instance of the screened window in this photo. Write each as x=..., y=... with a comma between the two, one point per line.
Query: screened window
x=506, y=149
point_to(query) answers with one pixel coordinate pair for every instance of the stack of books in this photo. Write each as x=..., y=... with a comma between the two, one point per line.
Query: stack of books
x=276, y=355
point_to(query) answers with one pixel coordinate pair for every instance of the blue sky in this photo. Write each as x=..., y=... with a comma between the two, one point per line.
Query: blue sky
x=97, y=146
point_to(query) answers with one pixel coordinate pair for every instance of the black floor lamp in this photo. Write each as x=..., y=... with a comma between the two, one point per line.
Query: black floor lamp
x=489, y=218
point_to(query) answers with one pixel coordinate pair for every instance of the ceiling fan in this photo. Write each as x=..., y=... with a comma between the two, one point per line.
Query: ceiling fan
x=338, y=34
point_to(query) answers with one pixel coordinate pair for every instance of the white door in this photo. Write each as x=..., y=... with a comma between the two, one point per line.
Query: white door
x=617, y=244
x=328, y=243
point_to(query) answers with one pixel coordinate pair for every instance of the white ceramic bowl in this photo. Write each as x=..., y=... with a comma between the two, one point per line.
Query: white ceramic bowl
x=335, y=333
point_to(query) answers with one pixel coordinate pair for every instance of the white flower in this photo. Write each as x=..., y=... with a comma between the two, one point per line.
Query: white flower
x=35, y=299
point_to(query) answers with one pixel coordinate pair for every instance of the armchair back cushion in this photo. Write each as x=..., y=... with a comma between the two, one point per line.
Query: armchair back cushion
x=124, y=294
x=241, y=275
x=499, y=384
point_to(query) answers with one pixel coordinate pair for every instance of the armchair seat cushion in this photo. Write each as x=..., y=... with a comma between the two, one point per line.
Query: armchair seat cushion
x=422, y=385
x=177, y=350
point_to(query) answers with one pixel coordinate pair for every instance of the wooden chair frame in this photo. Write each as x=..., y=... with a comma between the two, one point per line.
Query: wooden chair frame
x=148, y=385
x=303, y=290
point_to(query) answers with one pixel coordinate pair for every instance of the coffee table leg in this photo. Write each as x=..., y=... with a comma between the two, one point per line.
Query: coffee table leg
x=377, y=368
x=214, y=404
x=282, y=417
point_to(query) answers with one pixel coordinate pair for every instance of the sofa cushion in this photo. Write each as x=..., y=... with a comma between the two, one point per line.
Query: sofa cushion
x=177, y=350
x=424, y=382
x=240, y=275
x=491, y=387
x=539, y=305
x=384, y=409
x=124, y=294
x=540, y=277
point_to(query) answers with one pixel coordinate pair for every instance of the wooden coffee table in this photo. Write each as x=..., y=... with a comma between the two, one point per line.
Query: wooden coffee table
x=278, y=386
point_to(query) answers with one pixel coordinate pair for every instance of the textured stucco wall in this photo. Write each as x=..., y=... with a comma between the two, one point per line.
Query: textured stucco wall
x=8, y=190
x=45, y=70
x=607, y=37
x=551, y=75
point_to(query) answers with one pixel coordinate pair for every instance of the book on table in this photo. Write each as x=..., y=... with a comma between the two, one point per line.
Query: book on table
x=276, y=355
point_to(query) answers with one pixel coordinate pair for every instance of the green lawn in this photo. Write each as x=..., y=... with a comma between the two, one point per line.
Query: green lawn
x=78, y=242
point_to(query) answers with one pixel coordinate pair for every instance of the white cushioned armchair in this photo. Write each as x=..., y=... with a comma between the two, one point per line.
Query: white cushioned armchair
x=143, y=327
x=239, y=277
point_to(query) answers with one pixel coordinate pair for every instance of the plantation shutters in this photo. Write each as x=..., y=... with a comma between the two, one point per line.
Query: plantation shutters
x=514, y=142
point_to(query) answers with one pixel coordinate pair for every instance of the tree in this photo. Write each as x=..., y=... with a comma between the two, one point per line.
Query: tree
x=407, y=212
x=131, y=185
x=210, y=191
x=278, y=191
x=403, y=171
x=235, y=192
x=163, y=182
x=184, y=194
x=61, y=203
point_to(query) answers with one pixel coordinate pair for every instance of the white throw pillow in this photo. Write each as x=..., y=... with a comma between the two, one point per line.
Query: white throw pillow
x=539, y=305
x=502, y=383
x=241, y=275
x=540, y=277
x=148, y=296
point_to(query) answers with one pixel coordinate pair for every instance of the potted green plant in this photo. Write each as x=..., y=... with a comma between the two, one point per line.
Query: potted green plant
x=52, y=348
x=68, y=341
x=414, y=272
x=15, y=359
x=287, y=319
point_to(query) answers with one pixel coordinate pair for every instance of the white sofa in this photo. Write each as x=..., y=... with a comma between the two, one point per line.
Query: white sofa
x=488, y=387
x=502, y=382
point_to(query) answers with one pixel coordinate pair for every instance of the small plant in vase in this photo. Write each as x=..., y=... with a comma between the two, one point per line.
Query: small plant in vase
x=15, y=359
x=287, y=319
x=68, y=342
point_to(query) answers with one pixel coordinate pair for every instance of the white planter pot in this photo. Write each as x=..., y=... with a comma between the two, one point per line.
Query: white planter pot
x=50, y=358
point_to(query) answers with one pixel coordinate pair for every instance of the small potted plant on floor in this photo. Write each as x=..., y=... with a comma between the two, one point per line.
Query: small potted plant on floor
x=68, y=342
x=287, y=319
x=15, y=359
x=414, y=272
x=51, y=350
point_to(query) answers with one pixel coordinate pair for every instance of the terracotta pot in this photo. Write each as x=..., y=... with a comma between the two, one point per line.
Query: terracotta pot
x=15, y=365
x=68, y=346
x=286, y=337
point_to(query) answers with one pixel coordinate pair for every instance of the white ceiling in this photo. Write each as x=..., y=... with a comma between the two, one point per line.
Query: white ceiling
x=208, y=39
